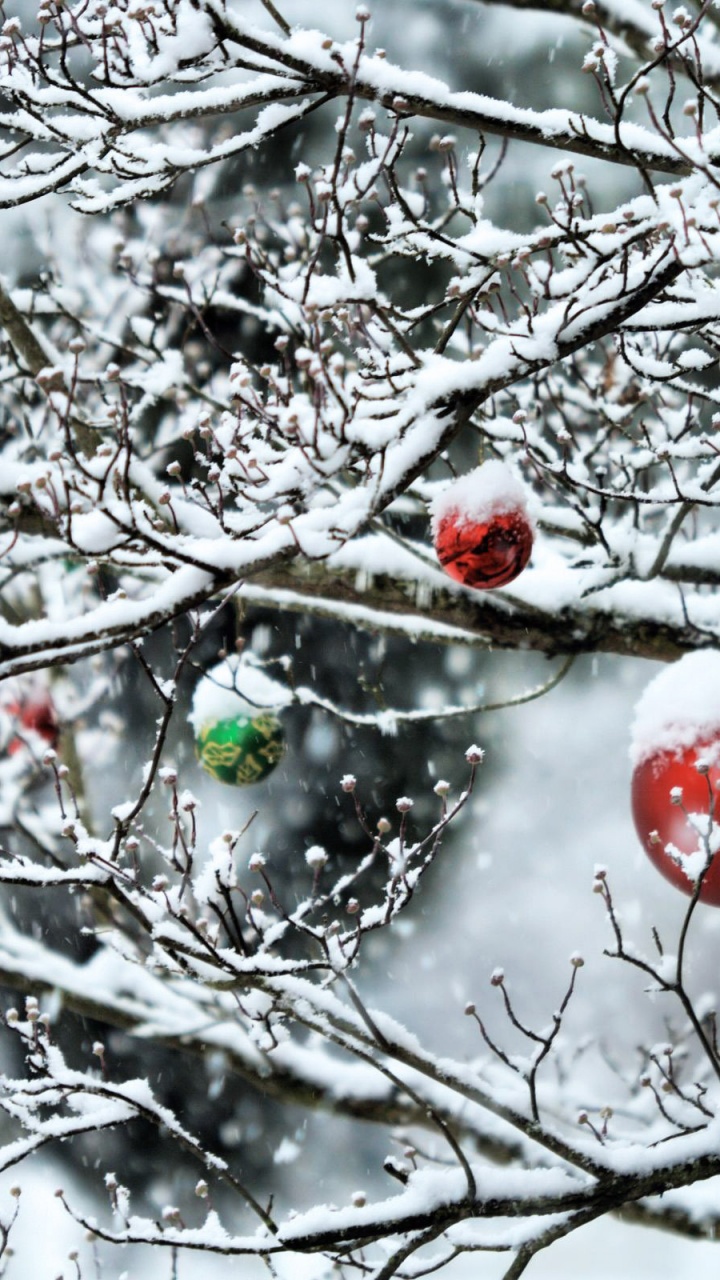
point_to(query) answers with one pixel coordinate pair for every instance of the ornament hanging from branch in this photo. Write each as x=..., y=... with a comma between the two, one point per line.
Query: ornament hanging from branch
x=239, y=738
x=676, y=756
x=482, y=530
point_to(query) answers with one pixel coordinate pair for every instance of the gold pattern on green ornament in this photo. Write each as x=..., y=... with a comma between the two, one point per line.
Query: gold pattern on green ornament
x=242, y=750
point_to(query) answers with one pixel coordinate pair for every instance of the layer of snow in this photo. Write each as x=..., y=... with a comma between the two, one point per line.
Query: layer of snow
x=681, y=706
x=490, y=489
x=233, y=688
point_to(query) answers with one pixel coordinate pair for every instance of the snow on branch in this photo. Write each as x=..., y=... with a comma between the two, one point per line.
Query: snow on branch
x=360, y=401
x=102, y=131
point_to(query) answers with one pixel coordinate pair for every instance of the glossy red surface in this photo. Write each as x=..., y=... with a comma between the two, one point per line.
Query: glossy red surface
x=653, y=812
x=484, y=555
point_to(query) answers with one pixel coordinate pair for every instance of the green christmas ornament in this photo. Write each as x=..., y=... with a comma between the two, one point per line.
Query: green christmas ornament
x=242, y=750
x=238, y=735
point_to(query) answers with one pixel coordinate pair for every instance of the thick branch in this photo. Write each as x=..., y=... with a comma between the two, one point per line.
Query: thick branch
x=407, y=1215
x=29, y=349
x=22, y=337
x=454, y=616
x=562, y=131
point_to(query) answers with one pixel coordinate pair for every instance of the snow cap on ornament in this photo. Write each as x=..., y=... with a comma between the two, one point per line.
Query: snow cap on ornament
x=238, y=735
x=482, y=529
x=675, y=752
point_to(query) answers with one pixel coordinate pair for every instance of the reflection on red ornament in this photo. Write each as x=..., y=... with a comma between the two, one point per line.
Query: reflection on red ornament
x=482, y=530
x=671, y=804
x=484, y=554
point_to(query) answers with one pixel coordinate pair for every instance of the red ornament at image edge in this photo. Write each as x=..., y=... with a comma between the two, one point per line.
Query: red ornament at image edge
x=659, y=822
x=484, y=554
x=33, y=717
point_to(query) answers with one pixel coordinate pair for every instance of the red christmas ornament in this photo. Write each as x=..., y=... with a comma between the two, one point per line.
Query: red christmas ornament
x=487, y=554
x=671, y=804
x=676, y=756
x=482, y=532
x=35, y=720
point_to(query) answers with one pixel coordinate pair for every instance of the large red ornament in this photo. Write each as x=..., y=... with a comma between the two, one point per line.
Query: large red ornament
x=482, y=531
x=675, y=751
x=671, y=804
x=484, y=554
